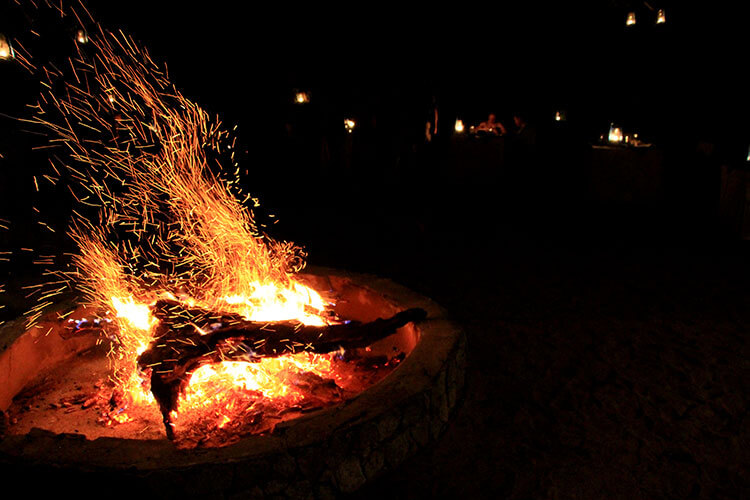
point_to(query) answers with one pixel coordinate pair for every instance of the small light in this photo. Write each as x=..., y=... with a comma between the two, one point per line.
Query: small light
x=349, y=125
x=748, y=154
x=661, y=17
x=630, y=20
x=560, y=116
x=6, y=50
x=615, y=135
x=459, y=127
x=301, y=97
x=82, y=36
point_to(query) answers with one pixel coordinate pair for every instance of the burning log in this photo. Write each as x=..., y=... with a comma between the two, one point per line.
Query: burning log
x=181, y=346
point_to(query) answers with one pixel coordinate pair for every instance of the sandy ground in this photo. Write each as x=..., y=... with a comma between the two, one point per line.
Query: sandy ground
x=612, y=366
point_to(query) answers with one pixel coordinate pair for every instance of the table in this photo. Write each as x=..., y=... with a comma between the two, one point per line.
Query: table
x=625, y=173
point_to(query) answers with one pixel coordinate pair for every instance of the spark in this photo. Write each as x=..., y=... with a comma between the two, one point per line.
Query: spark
x=170, y=218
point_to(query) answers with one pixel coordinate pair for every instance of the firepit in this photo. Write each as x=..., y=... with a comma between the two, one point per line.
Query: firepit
x=317, y=453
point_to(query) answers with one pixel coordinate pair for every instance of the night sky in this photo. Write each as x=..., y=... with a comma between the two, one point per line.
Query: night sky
x=683, y=77
x=678, y=85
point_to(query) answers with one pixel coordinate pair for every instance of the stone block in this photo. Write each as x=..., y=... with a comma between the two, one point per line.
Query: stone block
x=374, y=464
x=397, y=450
x=349, y=475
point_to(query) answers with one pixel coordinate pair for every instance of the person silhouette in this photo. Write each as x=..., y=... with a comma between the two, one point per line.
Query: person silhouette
x=492, y=126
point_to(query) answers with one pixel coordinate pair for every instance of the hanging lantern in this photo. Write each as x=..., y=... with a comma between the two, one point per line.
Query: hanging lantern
x=459, y=127
x=6, y=50
x=302, y=97
x=560, y=116
x=630, y=20
x=82, y=36
x=661, y=17
x=349, y=125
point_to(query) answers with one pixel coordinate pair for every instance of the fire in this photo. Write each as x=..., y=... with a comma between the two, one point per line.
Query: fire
x=138, y=315
x=266, y=377
x=171, y=222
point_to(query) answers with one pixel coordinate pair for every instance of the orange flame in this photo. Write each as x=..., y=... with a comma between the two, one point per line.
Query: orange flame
x=167, y=225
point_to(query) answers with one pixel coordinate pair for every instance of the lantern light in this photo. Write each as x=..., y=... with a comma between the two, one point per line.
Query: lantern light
x=630, y=20
x=615, y=134
x=459, y=127
x=560, y=116
x=349, y=125
x=82, y=36
x=661, y=17
x=302, y=97
x=6, y=49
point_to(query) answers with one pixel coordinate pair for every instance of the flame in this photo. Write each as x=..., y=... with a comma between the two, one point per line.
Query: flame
x=138, y=315
x=166, y=223
x=209, y=381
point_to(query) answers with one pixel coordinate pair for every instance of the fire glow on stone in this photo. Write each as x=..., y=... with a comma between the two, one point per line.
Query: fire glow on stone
x=167, y=226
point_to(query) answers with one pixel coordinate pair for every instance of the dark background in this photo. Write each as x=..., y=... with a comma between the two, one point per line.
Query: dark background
x=607, y=342
x=679, y=85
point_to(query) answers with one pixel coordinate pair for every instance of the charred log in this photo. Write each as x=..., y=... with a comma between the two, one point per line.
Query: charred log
x=187, y=339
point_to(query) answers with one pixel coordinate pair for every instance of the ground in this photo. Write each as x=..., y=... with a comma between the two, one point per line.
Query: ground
x=607, y=358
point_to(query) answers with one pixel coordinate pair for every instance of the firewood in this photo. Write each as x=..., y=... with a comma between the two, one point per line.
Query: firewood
x=187, y=339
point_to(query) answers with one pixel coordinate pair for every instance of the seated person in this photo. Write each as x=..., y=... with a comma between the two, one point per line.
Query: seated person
x=525, y=133
x=491, y=126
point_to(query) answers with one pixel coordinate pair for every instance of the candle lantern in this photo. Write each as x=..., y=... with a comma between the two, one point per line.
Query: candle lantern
x=349, y=125
x=615, y=134
x=661, y=17
x=560, y=116
x=6, y=49
x=459, y=127
x=301, y=97
x=82, y=36
x=630, y=20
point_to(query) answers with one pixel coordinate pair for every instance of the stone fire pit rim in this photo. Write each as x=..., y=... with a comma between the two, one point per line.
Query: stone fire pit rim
x=438, y=338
